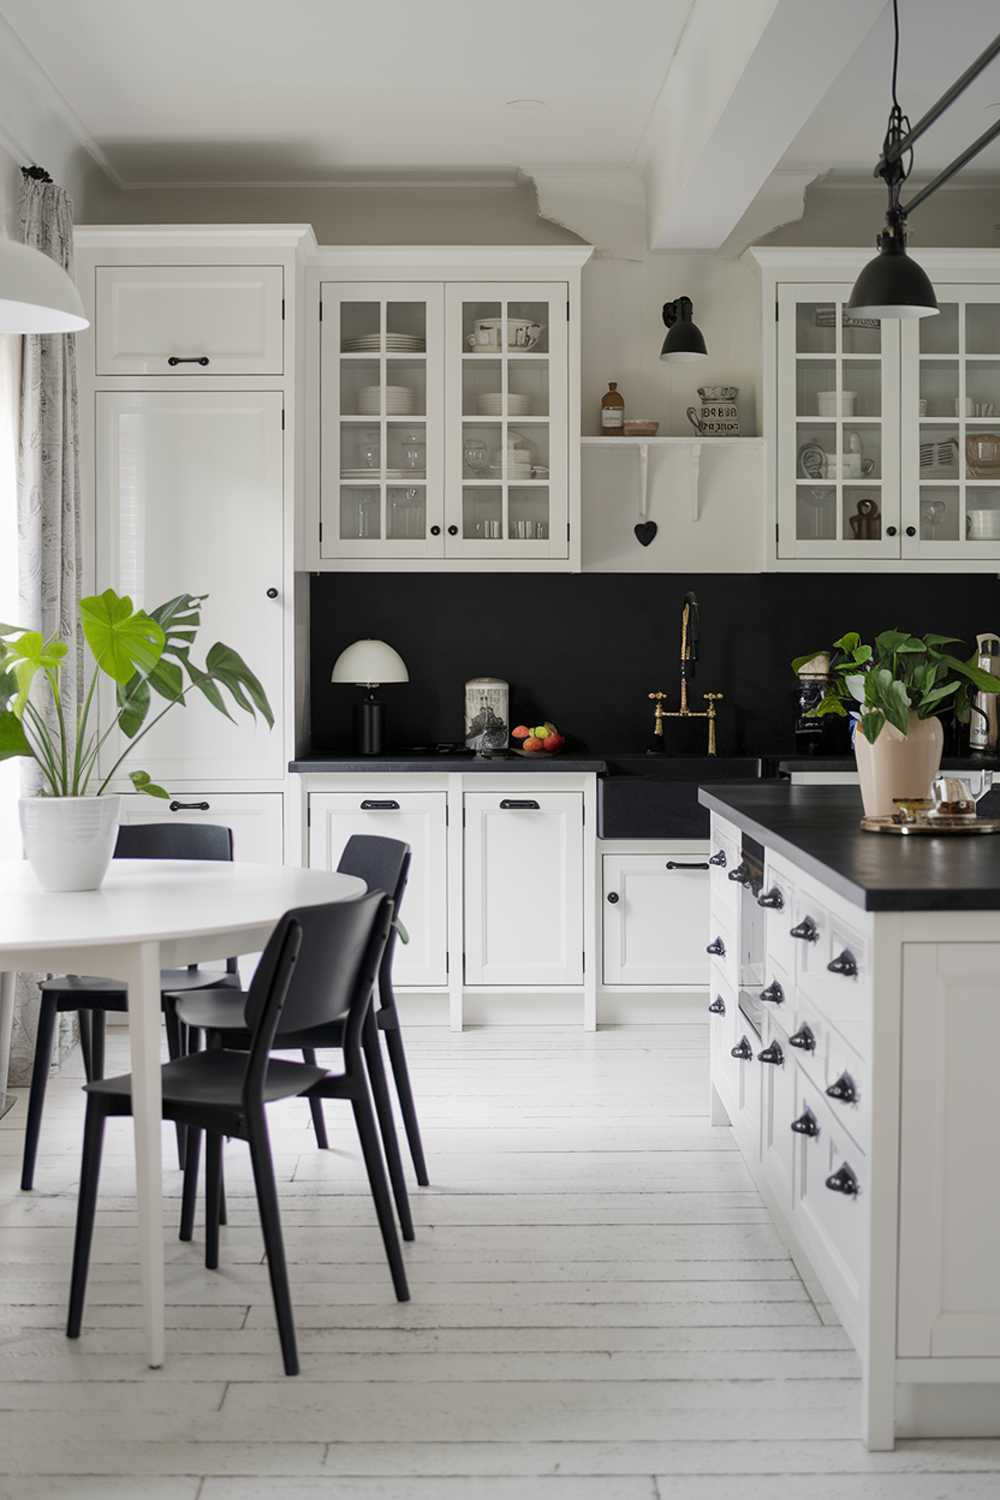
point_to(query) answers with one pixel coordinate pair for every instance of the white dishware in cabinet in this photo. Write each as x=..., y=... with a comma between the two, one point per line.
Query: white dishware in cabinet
x=523, y=888
x=255, y=819
x=191, y=501
x=418, y=819
x=189, y=320
x=655, y=915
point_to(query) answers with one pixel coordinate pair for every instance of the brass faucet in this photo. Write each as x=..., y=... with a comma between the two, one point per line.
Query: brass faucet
x=688, y=656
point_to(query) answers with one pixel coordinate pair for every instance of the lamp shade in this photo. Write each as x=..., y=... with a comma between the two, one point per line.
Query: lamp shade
x=684, y=338
x=892, y=285
x=36, y=294
x=368, y=664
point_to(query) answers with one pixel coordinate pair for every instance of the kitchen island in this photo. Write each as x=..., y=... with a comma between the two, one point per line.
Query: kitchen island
x=855, y=1014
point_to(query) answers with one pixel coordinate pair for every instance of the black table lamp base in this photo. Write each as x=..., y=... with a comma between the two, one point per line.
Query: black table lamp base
x=369, y=726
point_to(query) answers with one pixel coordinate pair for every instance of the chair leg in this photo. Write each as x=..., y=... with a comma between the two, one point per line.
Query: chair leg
x=47, y=1015
x=86, y=1051
x=372, y=1151
x=90, y=1172
x=190, y=1197
x=316, y=1105
x=175, y=1049
x=213, y=1187
x=401, y=1076
x=386, y=1123
x=98, y=1024
x=270, y=1223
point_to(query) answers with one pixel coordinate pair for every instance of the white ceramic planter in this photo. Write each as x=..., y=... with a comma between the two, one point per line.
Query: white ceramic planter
x=898, y=765
x=69, y=841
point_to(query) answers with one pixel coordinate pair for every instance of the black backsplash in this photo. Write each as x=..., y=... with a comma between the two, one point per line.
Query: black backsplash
x=584, y=650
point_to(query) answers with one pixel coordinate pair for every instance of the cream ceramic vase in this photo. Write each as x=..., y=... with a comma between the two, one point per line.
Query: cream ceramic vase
x=898, y=765
x=69, y=841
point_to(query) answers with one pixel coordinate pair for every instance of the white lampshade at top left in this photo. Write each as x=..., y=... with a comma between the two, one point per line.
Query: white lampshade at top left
x=36, y=294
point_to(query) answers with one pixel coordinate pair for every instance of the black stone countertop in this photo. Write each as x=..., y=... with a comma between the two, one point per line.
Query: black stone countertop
x=400, y=761
x=789, y=763
x=817, y=829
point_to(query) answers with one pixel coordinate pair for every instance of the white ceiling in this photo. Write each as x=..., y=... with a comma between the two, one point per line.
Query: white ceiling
x=310, y=89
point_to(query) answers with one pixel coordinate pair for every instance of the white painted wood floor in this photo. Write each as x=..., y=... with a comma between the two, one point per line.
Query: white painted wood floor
x=601, y=1309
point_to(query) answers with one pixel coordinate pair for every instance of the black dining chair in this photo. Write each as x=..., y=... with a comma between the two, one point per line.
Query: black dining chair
x=93, y=998
x=319, y=965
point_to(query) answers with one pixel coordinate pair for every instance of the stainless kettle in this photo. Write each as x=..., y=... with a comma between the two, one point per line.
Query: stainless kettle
x=984, y=728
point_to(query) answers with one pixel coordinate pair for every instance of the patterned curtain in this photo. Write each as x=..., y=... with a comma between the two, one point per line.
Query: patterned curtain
x=48, y=500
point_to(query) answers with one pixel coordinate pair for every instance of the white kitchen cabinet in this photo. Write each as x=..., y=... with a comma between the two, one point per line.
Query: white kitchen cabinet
x=191, y=500
x=254, y=817
x=420, y=820
x=523, y=888
x=776, y=1061
x=189, y=320
x=655, y=914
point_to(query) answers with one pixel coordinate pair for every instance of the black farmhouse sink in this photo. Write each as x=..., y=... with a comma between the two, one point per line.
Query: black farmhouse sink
x=656, y=796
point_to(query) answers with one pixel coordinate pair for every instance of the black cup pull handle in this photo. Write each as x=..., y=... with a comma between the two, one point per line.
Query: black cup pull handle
x=806, y=1123
x=187, y=359
x=773, y=993
x=680, y=864
x=718, y=859
x=613, y=897
x=189, y=807
x=844, y=1088
x=804, y=1039
x=806, y=931
x=519, y=804
x=771, y=1054
x=743, y=1050
x=845, y=963
x=843, y=1181
x=740, y=874
x=370, y=804
x=773, y=900
x=435, y=531
x=717, y=948
x=718, y=1006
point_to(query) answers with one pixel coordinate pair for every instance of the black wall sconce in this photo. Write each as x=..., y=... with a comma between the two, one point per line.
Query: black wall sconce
x=684, y=338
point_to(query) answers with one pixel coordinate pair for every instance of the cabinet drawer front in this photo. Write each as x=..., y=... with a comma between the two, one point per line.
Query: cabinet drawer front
x=723, y=934
x=844, y=990
x=724, y=857
x=778, y=1083
x=255, y=818
x=189, y=320
x=524, y=888
x=722, y=1027
x=417, y=819
x=779, y=886
x=655, y=910
x=833, y=1224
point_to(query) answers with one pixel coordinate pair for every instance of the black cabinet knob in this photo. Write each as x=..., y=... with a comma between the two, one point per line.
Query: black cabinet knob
x=806, y=931
x=890, y=531
x=845, y=963
x=435, y=531
x=844, y=1088
x=772, y=900
x=803, y=1039
x=717, y=948
x=773, y=992
x=771, y=1054
x=718, y=859
x=453, y=531
x=740, y=873
x=911, y=531
x=806, y=1123
x=272, y=593
x=718, y=1006
x=843, y=1181
x=613, y=897
x=743, y=1050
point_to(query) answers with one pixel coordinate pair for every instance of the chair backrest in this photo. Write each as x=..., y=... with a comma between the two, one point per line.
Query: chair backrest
x=174, y=841
x=384, y=865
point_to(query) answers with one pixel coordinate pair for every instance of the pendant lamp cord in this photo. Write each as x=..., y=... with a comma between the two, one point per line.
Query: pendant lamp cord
x=896, y=172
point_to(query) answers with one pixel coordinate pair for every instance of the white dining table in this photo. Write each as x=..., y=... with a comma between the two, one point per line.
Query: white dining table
x=148, y=915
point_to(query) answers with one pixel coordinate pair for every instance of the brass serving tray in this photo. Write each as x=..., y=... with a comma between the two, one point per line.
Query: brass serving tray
x=931, y=825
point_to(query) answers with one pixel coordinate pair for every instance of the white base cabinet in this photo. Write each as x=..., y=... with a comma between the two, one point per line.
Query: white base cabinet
x=655, y=910
x=256, y=819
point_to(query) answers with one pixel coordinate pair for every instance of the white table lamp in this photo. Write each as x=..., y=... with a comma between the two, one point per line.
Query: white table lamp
x=369, y=664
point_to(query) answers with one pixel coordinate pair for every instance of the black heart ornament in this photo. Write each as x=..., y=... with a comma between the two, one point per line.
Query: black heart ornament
x=645, y=532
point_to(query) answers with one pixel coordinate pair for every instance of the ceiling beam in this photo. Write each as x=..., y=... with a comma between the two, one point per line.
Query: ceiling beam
x=734, y=100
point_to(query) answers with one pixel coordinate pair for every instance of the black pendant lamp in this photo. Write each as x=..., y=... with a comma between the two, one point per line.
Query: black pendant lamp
x=684, y=339
x=892, y=285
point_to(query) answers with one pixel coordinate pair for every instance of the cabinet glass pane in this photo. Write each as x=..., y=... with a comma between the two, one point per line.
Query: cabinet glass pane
x=982, y=327
x=406, y=513
x=482, y=450
x=861, y=392
x=982, y=388
x=982, y=452
x=481, y=327
x=482, y=388
x=405, y=388
x=527, y=328
x=982, y=513
x=405, y=327
x=940, y=509
x=862, y=510
x=528, y=388
x=360, y=451
x=816, y=451
x=816, y=513
x=939, y=451
x=938, y=386
x=816, y=388
x=815, y=327
x=359, y=513
x=482, y=513
x=528, y=513
x=940, y=335
x=860, y=452
x=360, y=388
x=406, y=448
x=860, y=335
x=527, y=453
x=360, y=327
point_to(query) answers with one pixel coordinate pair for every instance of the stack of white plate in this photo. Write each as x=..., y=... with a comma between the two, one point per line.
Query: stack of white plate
x=400, y=401
x=394, y=343
x=373, y=476
x=491, y=405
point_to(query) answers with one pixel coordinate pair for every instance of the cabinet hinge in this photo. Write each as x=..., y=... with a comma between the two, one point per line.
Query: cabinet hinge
x=321, y=533
x=776, y=525
x=309, y=817
x=447, y=815
x=567, y=531
x=567, y=309
x=447, y=964
x=321, y=309
x=584, y=966
x=777, y=309
x=282, y=309
x=282, y=419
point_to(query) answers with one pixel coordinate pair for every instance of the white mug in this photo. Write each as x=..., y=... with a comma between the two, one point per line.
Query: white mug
x=826, y=402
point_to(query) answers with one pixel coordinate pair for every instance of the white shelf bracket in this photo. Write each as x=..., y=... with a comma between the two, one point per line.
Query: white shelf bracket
x=694, y=479
x=644, y=482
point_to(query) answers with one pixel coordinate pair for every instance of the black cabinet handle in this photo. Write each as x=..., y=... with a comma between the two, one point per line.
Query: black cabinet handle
x=740, y=873
x=806, y=1123
x=435, y=531
x=187, y=359
x=679, y=864
x=845, y=964
x=613, y=897
x=189, y=807
x=773, y=900
x=803, y=1039
x=272, y=593
x=718, y=859
x=890, y=531
x=806, y=930
x=844, y=1089
x=370, y=804
x=773, y=993
x=911, y=531
x=520, y=804
x=718, y=1006
x=742, y=1050
x=771, y=1054
x=717, y=948
x=843, y=1181
x=453, y=531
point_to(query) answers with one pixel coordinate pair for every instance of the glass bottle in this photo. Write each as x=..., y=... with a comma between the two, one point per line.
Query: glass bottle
x=612, y=411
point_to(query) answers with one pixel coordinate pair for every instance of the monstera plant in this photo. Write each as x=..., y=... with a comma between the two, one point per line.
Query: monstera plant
x=149, y=658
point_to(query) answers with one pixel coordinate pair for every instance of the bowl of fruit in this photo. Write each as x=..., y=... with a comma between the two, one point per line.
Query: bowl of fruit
x=541, y=739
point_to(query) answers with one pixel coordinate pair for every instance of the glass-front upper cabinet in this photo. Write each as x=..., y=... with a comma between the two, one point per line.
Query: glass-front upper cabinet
x=382, y=396
x=838, y=427
x=506, y=373
x=951, y=427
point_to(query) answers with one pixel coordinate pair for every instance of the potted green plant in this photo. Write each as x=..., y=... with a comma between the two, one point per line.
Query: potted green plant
x=897, y=692
x=69, y=829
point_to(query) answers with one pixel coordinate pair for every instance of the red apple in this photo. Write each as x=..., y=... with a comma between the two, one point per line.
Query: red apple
x=522, y=732
x=532, y=743
x=552, y=742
